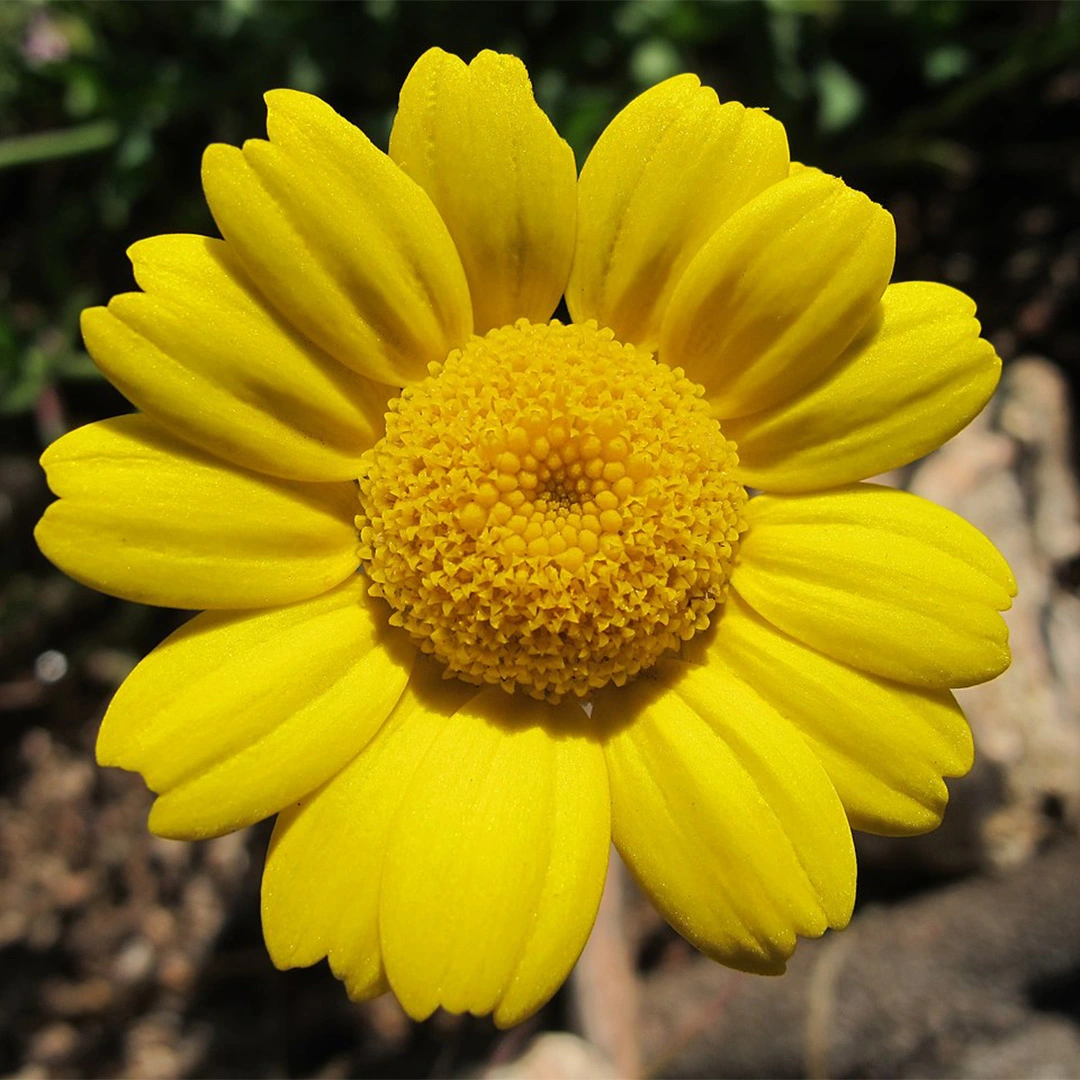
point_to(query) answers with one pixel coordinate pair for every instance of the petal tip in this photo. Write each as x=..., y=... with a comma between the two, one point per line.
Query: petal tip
x=218, y=160
x=43, y=530
x=753, y=963
x=167, y=821
x=92, y=316
x=360, y=990
x=1010, y=582
x=438, y=54
x=492, y=56
x=286, y=951
x=108, y=751
x=285, y=99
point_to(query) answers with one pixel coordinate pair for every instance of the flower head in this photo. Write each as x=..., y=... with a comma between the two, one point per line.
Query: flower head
x=484, y=590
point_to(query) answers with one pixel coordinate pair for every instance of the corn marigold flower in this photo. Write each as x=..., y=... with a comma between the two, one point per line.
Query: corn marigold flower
x=485, y=591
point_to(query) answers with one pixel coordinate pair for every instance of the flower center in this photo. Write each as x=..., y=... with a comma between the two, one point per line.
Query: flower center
x=551, y=509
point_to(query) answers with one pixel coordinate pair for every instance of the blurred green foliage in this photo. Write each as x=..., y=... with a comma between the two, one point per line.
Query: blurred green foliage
x=105, y=105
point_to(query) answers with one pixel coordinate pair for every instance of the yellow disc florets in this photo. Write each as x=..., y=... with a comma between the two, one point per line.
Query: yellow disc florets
x=550, y=509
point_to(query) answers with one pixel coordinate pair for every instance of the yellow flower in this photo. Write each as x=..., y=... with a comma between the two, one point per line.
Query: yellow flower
x=724, y=686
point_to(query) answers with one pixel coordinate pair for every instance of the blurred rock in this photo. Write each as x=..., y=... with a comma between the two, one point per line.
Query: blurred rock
x=1010, y=474
x=604, y=986
x=905, y=990
x=1047, y=1048
x=557, y=1056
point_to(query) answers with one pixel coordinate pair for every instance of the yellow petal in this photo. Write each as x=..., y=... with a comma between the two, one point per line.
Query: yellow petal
x=879, y=579
x=667, y=172
x=496, y=861
x=778, y=292
x=201, y=353
x=237, y=715
x=504, y=182
x=320, y=888
x=915, y=375
x=147, y=517
x=885, y=746
x=341, y=241
x=726, y=817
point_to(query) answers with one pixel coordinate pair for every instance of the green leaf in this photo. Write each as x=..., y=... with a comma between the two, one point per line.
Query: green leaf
x=840, y=98
x=47, y=145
